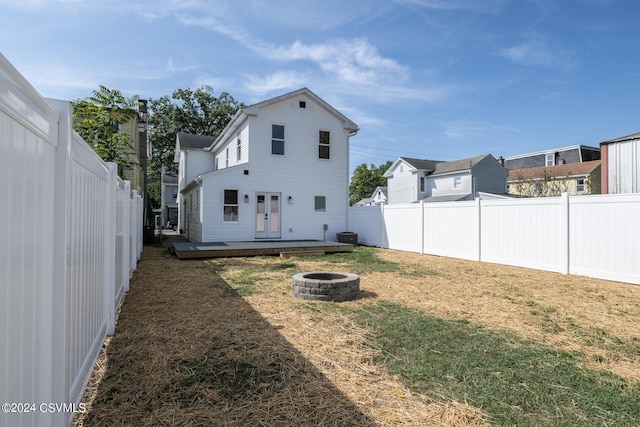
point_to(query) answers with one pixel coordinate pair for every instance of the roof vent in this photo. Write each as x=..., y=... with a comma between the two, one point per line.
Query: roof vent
x=303, y=104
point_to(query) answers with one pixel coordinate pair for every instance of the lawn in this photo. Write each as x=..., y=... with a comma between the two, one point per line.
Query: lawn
x=430, y=341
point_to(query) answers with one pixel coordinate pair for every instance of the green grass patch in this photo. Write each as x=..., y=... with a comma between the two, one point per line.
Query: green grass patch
x=515, y=382
x=363, y=259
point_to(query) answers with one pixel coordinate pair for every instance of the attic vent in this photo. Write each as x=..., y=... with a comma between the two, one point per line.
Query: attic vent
x=303, y=104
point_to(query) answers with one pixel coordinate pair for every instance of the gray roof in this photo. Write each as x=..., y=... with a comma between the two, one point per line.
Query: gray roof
x=192, y=141
x=428, y=165
x=383, y=190
x=623, y=138
x=448, y=198
x=170, y=179
x=459, y=165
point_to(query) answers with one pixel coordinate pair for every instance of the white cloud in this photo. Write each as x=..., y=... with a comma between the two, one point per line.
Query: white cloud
x=275, y=82
x=539, y=51
x=483, y=6
x=351, y=61
x=465, y=128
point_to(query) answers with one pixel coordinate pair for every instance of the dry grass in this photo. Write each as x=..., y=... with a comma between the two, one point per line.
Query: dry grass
x=189, y=350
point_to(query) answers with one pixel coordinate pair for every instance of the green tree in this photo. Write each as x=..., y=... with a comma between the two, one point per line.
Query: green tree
x=197, y=111
x=98, y=120
x=365, y=179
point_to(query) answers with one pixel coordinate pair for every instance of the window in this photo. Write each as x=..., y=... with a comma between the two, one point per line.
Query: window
x=238, y=149
x=549, y=159
x=323, y=149
x=230, y=207
x=457, y=182
x=277, y=139
x=319, y=204
x=216, y=165
x=580, y=185
x=422, y=184
x=226, y=161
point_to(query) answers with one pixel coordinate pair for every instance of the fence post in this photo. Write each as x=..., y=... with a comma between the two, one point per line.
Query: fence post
x=58, y=304
x=110, y=252
x=478, y=230
x=126, y=232
x=563, y=222
x=422, y=226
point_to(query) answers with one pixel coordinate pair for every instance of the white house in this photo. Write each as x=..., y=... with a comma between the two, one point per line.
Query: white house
x=621, y=165
x=168, y=197
x=378, y=197
x=279, y=170
x=412, y=180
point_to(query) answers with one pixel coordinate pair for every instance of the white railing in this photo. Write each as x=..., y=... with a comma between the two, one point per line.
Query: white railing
x=72, y=236
x=596, y=236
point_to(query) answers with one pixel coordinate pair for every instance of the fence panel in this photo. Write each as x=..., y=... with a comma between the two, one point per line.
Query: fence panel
x=85, y=318
x=528, y=233
x=28, y=142
x=403, y=227
x=451, y=229
x=368, y=223
x=596, y=236
x=605, y=237
x=58, y=291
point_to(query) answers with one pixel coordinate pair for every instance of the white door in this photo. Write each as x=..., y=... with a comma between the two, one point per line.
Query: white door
x=268, y=215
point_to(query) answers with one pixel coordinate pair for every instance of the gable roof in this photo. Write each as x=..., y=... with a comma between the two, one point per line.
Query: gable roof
x=559, y=171
x=382, y=189
x=417, y=164
x=623, y=138
x=459, y=165
x=253, y=110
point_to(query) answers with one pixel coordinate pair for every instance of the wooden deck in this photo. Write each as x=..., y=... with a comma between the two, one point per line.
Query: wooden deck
x=188, y=250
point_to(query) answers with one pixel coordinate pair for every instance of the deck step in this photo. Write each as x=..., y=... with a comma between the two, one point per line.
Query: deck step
x=289, y=254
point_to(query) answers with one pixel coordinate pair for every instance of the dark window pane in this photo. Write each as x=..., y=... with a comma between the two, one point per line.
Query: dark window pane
x=277, y=131
x=323, y=152
x=324, y=137
x=230, y=197
x=277, y=147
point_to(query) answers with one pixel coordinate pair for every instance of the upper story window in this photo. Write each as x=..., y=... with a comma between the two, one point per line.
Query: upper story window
x=422, y=184
x=226, y=161
x=238, y=149
x=277, y=139
x=457, y=182
x=324, y=140
x=549, y=159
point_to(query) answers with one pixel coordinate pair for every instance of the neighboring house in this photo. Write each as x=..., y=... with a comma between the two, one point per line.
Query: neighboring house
x=378, y=197
x=572, y=178
x=552, y=157
x=140, y=151
x=168, y=198
x=279, y=170
x=621, y=165
x=412, y=180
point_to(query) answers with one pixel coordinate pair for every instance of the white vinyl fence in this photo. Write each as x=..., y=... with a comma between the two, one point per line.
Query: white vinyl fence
x=596, y=236
x=71, y=237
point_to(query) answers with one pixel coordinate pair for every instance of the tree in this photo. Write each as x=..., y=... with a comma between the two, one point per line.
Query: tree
x=190, y=111
x=98, y=120
x=365, y=180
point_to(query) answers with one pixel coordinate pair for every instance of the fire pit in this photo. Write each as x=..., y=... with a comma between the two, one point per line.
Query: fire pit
x=326, y=286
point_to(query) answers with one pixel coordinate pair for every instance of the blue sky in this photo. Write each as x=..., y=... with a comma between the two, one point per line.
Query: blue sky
x=437, y=79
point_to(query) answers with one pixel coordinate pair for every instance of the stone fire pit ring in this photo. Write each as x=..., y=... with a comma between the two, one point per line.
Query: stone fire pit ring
x=326, y=286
